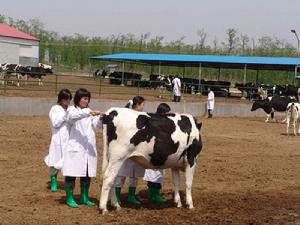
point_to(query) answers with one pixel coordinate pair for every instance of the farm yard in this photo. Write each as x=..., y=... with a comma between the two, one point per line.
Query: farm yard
x=247, y=173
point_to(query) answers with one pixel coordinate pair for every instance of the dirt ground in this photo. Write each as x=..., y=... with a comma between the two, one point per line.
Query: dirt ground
x=247, y=173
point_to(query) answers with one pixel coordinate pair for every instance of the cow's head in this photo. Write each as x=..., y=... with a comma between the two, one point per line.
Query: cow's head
x=259, y=104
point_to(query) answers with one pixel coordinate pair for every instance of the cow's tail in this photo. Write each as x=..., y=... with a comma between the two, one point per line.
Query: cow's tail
x=105, y=147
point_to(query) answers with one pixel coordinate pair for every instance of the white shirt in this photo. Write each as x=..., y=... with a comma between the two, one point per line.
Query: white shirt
x=60, y=135
x=210, y=100
x=177, y=86
x=80, y=153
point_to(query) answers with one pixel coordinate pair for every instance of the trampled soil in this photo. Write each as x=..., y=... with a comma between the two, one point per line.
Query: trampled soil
x=247, y=173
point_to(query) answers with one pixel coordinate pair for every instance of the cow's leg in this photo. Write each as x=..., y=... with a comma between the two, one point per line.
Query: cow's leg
x=176, y=182
x=294, y=125
x=109, y=177
x=268, y=118
x=287, y=125
x=18, y=80
x=189, y=174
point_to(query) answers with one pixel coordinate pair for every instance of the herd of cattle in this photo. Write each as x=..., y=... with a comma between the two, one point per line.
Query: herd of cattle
x=16, y=70
x=191, y=85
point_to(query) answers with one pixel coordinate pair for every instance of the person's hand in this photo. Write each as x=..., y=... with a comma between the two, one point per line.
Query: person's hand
x=97, y=113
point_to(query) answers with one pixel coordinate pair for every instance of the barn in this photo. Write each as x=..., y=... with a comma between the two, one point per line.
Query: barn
x=17, y=47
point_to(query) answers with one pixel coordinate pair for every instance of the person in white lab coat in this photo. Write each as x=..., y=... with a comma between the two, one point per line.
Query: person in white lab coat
x=130, y=168
x=60, y=134
x=80, y=159
x=210, y=102
x=176, y=89
x=155, y=177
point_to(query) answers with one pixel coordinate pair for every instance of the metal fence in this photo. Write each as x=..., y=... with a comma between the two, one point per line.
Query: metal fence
x=113, y=87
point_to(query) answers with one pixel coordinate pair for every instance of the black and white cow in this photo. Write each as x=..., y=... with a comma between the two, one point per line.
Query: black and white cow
x=273, y=104
x=153, y=141
x=291, y=90
x=8, y=71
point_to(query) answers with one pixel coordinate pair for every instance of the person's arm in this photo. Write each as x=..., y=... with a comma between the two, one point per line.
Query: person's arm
x=74, y=114
x=56, y=117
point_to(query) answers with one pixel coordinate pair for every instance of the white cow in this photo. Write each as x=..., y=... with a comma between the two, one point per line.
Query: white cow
x=153, y=141
x=292, y=117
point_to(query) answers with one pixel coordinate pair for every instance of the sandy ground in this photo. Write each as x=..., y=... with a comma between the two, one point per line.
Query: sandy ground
x=247, y=173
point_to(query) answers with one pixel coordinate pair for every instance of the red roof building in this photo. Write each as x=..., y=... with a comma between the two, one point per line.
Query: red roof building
x=8, y=31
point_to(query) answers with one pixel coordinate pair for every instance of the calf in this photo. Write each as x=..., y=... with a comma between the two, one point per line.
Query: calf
x=292, y=117
x=272, y=104
x=153, y=141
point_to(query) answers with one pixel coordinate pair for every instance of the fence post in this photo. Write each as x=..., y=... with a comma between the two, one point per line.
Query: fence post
x=56, y=81
x=99, y=85
x=5, y=84
x=138, y=87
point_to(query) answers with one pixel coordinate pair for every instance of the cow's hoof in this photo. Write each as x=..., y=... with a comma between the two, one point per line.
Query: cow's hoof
x=191, y=207
x=104, y=212
x=178, y=204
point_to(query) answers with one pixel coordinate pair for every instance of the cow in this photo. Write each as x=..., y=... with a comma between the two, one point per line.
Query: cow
x=8, y=71
x=153, y=141
x=292, y=117
x=46, y=68
x=272, y=104
x=291, y=90
x=160, y=82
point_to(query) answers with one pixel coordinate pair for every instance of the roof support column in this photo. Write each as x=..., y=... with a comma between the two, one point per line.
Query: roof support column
x=256, y=82
x=159, y=68
x=219, y=74
x=200, y=77
x=245, y=74
x=123, y=69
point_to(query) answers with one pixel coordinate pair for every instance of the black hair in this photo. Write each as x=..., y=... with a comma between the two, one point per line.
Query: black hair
x=163, y=108
x=137, y=100
x=81, y=92
x=64, y=94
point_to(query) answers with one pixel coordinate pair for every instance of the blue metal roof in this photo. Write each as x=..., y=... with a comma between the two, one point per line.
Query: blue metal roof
x=214, y=61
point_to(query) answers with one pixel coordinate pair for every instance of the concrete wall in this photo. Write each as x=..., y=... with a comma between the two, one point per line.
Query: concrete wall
x=41, y=106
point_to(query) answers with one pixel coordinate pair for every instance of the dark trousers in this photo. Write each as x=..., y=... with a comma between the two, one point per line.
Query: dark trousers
x=176, y=98
x=84, y=181
x=209, y=113
x=152, y=184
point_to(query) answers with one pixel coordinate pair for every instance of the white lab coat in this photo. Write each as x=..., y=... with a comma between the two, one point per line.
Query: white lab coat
x=80, y=154
x=210, y=100
x=154, y=175
x=131, y=169
x=177, y=86
x=60, y=135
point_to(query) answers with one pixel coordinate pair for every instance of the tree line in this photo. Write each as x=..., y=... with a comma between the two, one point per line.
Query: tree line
x=73, y=51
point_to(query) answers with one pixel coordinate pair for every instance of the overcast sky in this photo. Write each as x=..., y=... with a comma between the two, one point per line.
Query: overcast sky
x=168, y=18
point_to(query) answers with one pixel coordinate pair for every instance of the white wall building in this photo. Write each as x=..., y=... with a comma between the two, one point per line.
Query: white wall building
x=17, y=47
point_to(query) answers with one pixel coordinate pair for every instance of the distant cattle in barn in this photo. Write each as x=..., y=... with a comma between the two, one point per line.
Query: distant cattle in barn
x=292, y=117
x=152, y=140
x=249, y=89
x=129, y=78
x=220, y=88
x=291, y=90
x=161, y=83
x=273, y=104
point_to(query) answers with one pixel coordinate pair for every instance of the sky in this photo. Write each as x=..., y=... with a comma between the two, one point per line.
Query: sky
x=169, y=18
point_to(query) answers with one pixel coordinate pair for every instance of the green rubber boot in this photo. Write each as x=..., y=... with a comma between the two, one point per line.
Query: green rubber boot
x=53, y=185
x=118, y=194
x=156, y=196
x=84, y=196
x=131, y=196
x=150, y=193
x=70, y=200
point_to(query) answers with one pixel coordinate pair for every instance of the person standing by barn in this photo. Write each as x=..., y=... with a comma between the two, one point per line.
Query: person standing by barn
x=155, y=177
x=130, y=168
x=176, y=89
x=60, y=134
x=210, y=102
x=80, y=159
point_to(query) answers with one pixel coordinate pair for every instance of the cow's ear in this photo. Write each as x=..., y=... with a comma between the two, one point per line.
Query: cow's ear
x=198, y=125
